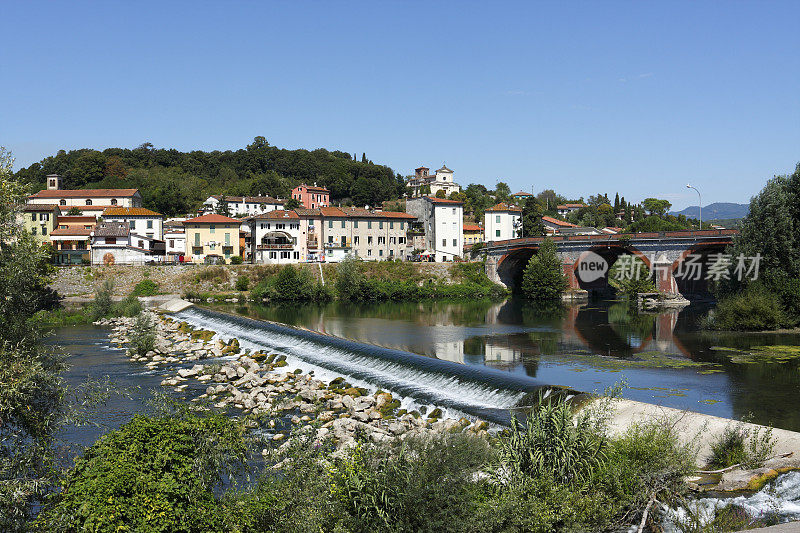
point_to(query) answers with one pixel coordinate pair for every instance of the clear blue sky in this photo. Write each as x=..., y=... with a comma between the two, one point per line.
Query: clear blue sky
x=582, y=97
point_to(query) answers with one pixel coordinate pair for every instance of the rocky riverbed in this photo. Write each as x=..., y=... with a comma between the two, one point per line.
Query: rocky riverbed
x=261, y=385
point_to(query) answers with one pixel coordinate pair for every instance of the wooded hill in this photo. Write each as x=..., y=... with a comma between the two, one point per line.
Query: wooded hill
x=174, y=182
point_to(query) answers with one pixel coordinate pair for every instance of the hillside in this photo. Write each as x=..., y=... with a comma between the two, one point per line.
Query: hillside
x=174, y=182
x=719, y=210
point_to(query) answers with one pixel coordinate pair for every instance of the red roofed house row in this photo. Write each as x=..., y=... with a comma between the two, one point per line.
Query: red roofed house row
x=92, y=199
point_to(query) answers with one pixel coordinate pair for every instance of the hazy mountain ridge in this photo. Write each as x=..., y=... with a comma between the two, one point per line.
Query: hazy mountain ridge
x=718, y=210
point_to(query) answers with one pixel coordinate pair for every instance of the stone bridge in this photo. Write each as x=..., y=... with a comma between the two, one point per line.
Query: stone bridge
x=662, y=252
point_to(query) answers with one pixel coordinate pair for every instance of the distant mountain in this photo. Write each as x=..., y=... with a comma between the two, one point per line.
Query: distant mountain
x=719, y=210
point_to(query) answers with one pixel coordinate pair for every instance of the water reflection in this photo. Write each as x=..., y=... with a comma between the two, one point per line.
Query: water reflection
x=662, y=356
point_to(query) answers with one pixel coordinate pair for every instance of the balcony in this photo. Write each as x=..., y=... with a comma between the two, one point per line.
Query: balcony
x=275, y=246
x=340, y=244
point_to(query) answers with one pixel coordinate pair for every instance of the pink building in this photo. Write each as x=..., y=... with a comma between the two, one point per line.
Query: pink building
x=312, y=197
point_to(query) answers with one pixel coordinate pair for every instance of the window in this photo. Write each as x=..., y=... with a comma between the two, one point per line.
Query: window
x=342, y=224
x=444, y=243
x=141, y=244
x=44, y=216
x=280, y=226
x=369, y=252
x=455, y=242
x=369, y=224
x=391, y=253
x=197, y=239
x=402, y=225
x=497, y=219
x=380, y=225
x=111, y=240
x=381, y=240
x=344, y=240
x=33, y=230
x=454, y=210
x=88, y=202
x=369, y=240
x=149, y=224
x=133, y=224
x=296, y=255
x=172, y=243
x=355, y=224
x=227, y=239
x=391, y=225
x=284, y=255
x=33, y=217
x=355, y=240
x=380, y=252
x=273, y=255
x=401, y=240
x=330, y=224
x=62, y=202
x=330, y=239
x=113, y=201
x=212, y=227
x=497, y=233
x=44, y=230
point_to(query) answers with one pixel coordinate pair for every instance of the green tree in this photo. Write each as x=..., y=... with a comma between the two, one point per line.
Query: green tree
x=222, y=207
x=74, y=211
x=502, y=192
x=543, y=278
x=292, y=203
x=656, y=207
x=441, y=194
x=532, y=218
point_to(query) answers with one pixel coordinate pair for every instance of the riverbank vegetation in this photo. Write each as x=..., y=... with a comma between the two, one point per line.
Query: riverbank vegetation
x=770, y=231
x=561, y=471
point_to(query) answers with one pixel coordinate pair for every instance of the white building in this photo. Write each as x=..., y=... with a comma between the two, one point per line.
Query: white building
x=566, y=209
x=280, y=237
x=423, y=182
x=502, y=222
x=141, y=221
x=175, y=242
x=243, y=205
x=443, y=222
x=89, y=201
x=113, y=243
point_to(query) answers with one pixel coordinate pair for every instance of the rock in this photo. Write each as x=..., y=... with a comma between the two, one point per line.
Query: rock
x=278, y=437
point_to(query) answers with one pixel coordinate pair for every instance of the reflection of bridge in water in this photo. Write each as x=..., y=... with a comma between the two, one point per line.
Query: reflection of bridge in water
x=662, y=252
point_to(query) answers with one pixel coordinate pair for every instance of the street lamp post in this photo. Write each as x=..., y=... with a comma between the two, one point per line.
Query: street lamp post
x=701, y=203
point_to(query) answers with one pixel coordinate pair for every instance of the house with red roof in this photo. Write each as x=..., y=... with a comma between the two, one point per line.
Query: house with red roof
x=502, y=222
x=212, y=239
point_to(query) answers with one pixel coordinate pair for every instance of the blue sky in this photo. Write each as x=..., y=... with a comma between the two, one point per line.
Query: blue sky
x=581, y=97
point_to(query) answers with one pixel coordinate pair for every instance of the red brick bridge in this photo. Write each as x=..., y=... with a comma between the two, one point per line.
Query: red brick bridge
x=662, y=252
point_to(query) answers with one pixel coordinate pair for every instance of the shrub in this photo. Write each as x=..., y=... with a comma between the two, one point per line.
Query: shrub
x=551, y=444
x=236, y=260
x=101, y=306
x=142, y=336
x=129, y=306
x=348, y=279
x=741, y=445
x=213, y=274
x=146, y=287
x=543, y=278
x=755, y=309
x=242, y=283
x=153, y=474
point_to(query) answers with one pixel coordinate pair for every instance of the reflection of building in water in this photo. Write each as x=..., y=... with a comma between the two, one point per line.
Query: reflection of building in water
x=501, y=355
x=450, y=351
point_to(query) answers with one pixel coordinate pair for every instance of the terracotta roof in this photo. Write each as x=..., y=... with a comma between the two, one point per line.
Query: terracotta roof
x=442, y=200
x=444, y=169
x=39, y=207
x=278, y=214
x=520, y=193
x=396, y=214
x=331, y=211
x=129, y=212
x=505, y=207
x=312, y=188
x=567, y=206
x=212, y=219
x=71, y=232
x=472, y=227
x=558, y=222
x=66, y=219
x=303, y=212
x=112, y=229
x=85, y=193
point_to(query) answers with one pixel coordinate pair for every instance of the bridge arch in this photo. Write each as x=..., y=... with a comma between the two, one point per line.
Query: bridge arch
x=688, y=285
x=511, y=265
x=611, y=253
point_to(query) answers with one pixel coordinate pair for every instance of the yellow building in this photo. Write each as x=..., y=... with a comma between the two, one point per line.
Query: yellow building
x=40, y=220
x=212, y=238
x=473, y=233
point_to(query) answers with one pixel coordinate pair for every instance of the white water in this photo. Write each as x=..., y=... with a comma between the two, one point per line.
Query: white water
x=780, y=497
x=413, y=386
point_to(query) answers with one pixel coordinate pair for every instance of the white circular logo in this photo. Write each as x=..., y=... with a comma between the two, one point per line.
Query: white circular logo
x=591, y=267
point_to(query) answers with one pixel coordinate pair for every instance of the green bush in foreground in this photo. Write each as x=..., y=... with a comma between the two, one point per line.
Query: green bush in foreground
x=154, y=474
x=739, y=445
x=543, y=278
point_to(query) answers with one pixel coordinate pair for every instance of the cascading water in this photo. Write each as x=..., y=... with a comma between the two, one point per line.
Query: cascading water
x=474, y=390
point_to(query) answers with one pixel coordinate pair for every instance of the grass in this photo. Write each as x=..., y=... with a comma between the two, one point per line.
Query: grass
x=743, y=445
